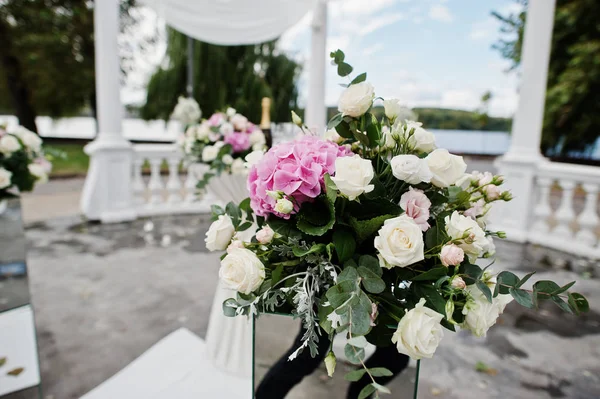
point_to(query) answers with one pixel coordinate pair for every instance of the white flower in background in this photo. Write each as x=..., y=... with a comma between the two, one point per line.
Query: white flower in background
x=388, y=139
x=356, y=99
x=209, y=153
x=353, y=176
x=29, y=138
x=296, y=120
x=227, y=159
x=490, y=248
x=392, y=108
x=219, y=234
x=226, y=128
x=333, y=136
x=411, y=169
x=473, y=240
x=187, y=111
x=230, y=112
x=238, y=167
x=38, y=171
x=242, y=271
x=399, y=242
x=419, y=332
x=219, y=144
x=214, y=136
x=5, y=178
x=265, y=235
x=257, y=137
x=9, y=144
x=420, y=139
x=202, y=132
x=254, y=157
x=446, y=168
x=479, y=313
x=284, y=205
x=240, y=122
x=452, y=255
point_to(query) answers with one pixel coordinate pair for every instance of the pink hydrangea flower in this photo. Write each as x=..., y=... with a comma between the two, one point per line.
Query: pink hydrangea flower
x=416, y=205
x=239, y=141
x=295, y=168
x=216, y=119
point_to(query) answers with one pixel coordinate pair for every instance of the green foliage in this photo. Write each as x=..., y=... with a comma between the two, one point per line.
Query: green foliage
x=237, y=76
x=344, y=244
x=317, y=217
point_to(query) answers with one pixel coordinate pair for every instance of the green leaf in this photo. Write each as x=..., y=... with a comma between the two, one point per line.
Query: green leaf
x=216, y=210
x=338, y=56
x=524, y=279
x=361, y=320
x=361, y=137
x=358, y=341
x=315, y=248
x=334, y=121
x=15, y=372
x=366, y=391
x=360, y=78
x=355, y=375
x=522, y=297
x=233, y=211
x=380, y=372
x=366, y=228
x=245, y=205
x=354, y=355
x=371, y=281
x=472, y=273
x=228, y=310
x=284, y=227
x=344, y=69
x=344, y=243
x=244, y=226
x=343, y=129
x=331, y=189
x=506, y=279
x=433, y=274
x=316, y=218
x=381, y=388
x=578, y=303
x=436, y=236
x=276, y=275
x=561, y=303
x=337, y=296
x=348, y=274
x=484, y=289
x=546, y=287
x=373, y=133
x=371, y=263
x=564, y=288
x=433, y=298
x=2, y=361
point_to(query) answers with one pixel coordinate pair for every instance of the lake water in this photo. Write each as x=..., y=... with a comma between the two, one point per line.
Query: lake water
x=458, y=141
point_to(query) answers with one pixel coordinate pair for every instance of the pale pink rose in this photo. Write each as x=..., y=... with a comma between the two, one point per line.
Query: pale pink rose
x=374, y=314
x=235, y=244
x=265, y=235
x=492, y=192
x=485, y=178
x=476, y=209
x=44, y=163
x=416, y=205
x=452, y=255
x=216, y=119
x=458, y=283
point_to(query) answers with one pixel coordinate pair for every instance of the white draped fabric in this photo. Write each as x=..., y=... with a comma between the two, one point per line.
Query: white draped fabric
x=231, y=22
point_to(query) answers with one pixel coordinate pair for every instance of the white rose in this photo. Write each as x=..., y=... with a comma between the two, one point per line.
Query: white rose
x=419, y=332
x=5, y=177
x=479, y=313
x=226, y=128
x=219, y=234
x=420, y=139
x=254, y=157
x=240, y=122
x=353, y=175
x=447, y=169
x=399, y=242
x=29, y=138
x=202, y=132
x=257, y=137
x=9, y=144
x=241, y=270
x=411, y=169
x=227, y=159
x=265, y=235
x=209, y=153
x=464, y=181
x=284, y=205
x=238, y=167
x=392, y=108
x=39, y=172
x=333, y=136
x=476, y=243
x=356, y=99
x=230, y=112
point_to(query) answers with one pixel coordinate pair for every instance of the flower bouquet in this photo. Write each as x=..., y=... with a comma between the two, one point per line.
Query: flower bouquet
x=377, y=235
x=22, y=161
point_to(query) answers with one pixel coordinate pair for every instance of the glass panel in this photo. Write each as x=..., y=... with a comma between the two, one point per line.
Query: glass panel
x=275, y=335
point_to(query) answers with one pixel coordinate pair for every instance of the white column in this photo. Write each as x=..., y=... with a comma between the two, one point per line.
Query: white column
x=107, y=193
x=315, y=108
x=520, y=163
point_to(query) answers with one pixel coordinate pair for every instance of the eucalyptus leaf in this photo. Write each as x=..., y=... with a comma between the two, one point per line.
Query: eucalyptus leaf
x=228, y=310
x=335, y=120
x=371, y=281
x=276, y=275
x=525, y=279
x=366, y=391
x=359, y=341
x=354, y=355
x=433, y=274
x=578, y=303
x=360, y=320
x=380, y=372
x=372, y=263
x=360, y=78
x=522, y=297
x=561, y=303
x=506, y=280
x=485, y=290
x=355, y=375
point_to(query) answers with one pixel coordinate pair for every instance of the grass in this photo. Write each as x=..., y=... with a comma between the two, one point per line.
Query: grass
x=68, y=159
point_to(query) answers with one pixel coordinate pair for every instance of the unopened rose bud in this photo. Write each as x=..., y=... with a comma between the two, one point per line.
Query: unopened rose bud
x=492, y=192
x=452, y=255
x=458, y=283
x=330, y=362
x=498, y=180
x=506, y=196
x=265, y=235
x=296, y=119
x=275, y=194
x=234, y=245
x=449, y=309
x=284, y=206
x=501, y=234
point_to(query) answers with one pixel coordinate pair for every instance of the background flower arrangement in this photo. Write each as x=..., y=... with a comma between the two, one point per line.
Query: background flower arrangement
x=223, y=142
x=373, y=233
x=22, y=161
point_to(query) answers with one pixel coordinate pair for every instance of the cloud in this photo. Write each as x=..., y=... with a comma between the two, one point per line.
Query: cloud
x=484, y=30
x=367, y=51
x=380, y=22
x=440, y=13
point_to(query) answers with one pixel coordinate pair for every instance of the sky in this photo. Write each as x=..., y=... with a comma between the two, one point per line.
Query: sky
x=434, y=53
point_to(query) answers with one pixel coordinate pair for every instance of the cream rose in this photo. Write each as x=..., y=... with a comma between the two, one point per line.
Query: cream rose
x=411, y=169
x=265, y=235
x=392, y=108
x=356, y=99
x=257, y=137
x=209, y=153
x=226, y=128
x=5, y=178
x=29, y=138
x=284, y=205
x=254, y=157
x=38, y=171
x=353, y=176
x=473, y=240
x=479, y=313
x=241, y=270
x=240, y=122
x=187, y=110
x=227, y=159
x=399, y=242
x=446, y=168
x=419, y=332
x=333, y=136
x=219, y=234
x=9, y=144
x=420, y=139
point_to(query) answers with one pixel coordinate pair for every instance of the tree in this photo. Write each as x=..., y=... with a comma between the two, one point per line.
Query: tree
x=237, y=76
x=572, y=120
